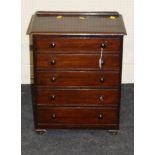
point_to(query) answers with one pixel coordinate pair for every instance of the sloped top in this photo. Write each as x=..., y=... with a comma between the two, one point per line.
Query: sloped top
x=92, y=23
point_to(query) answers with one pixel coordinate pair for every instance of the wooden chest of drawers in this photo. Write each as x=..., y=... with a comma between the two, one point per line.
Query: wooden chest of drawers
x=77, y=59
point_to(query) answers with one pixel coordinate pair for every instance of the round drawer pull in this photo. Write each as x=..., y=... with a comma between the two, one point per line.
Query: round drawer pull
x=103, y=45
x=53, y=116
x=101, y=79
x=101, y=98
x=53, y=79
x=52, y=45
x=53, y=61
x=100, y=116
x=52, y=97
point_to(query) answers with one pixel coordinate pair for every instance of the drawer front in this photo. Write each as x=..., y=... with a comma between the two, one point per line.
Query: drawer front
x=77, y=61
x=71, y=115
x=72, y=45
x=77, y=78
x=83, y=97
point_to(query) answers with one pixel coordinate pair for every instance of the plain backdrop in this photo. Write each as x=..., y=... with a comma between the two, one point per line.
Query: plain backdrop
x=124, y=7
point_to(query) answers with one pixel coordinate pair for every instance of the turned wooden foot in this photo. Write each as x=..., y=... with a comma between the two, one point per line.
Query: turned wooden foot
x=113, y=132
x=40, y=131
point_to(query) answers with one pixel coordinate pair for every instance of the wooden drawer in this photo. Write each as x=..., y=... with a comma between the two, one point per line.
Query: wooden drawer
x=77, y=61
x=45, y=43
x=77, y=78
x=78, y=115
x=74, y=97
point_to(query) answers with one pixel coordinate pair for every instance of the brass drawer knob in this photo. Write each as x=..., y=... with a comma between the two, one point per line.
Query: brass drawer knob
x=101, y=79
x=52, y=45
x=103, y=45
x=53, y=79
x=53, y=116
x=101, y=98
x=53, y=61
x=52, y=97
x=100, y=116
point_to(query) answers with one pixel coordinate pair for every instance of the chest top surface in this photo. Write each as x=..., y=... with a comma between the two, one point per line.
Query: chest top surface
x=104, y=23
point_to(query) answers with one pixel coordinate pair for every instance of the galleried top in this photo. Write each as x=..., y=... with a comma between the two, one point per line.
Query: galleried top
x=77, y=23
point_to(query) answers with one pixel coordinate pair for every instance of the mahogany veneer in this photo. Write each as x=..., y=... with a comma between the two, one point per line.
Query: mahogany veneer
x=77, y=69
x=77, y=61
x=75, y=45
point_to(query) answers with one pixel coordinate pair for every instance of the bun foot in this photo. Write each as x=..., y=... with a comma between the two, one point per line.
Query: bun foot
x=113, y=132
x=40, y=131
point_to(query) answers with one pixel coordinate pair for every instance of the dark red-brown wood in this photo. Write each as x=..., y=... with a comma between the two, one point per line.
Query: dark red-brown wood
x=77, y=97
x=66, y=65
x=77, y=61
x=78, y=78
x=75, y=45
x=96, y=23
x=70, y=115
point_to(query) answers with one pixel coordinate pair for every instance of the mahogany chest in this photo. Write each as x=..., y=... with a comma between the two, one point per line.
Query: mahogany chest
x=77, y=64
